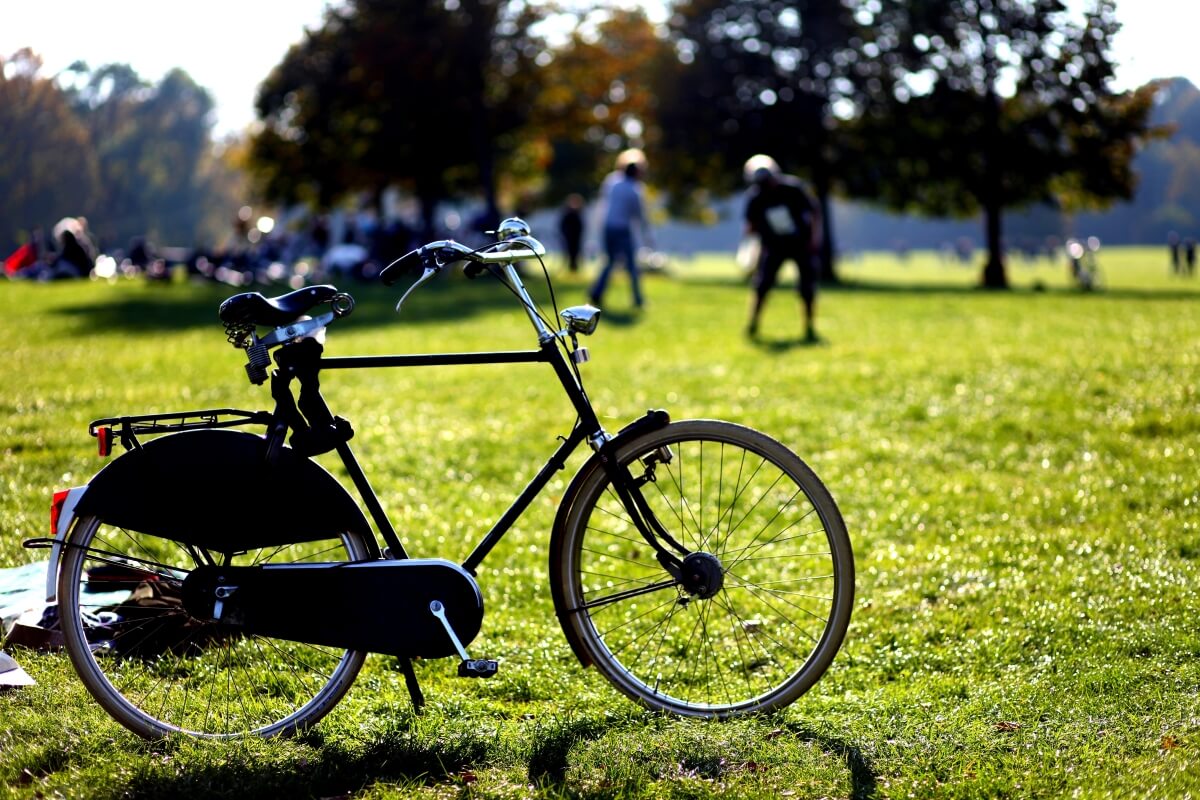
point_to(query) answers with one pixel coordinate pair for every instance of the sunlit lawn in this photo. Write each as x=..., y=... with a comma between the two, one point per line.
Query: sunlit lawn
x=1017, y=471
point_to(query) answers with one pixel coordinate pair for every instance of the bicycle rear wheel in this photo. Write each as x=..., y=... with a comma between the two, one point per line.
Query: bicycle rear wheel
x=158, y=671
x=767, y=592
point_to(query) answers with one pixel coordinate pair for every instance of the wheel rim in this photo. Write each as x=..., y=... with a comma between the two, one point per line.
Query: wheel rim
x=159, y=671
x=768, y=633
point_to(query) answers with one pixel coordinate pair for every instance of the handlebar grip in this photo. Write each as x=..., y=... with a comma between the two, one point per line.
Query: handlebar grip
x=396, y=270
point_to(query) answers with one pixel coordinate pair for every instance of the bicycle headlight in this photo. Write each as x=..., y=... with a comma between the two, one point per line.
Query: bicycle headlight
x=581, y=319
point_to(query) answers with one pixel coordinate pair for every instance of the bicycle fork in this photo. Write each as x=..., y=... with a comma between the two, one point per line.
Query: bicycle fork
x=700, y=574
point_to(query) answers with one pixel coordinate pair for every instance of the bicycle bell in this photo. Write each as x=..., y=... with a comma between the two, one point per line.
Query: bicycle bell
x=512, y=228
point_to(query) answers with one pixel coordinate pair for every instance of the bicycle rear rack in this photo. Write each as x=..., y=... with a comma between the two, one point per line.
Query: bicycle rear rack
x=128, y=428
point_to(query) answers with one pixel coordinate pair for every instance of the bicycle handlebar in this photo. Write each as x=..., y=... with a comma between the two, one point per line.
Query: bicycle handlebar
x=436, y=255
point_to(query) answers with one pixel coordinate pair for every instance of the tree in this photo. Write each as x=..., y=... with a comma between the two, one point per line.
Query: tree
x=595, y=100
x=1002, y=104
x=45, y=152
x=422, y=93
x=759, y=76
x=135, y=158
x=154, y=153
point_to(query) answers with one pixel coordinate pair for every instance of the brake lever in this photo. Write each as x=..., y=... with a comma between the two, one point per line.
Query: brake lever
x=429, y=273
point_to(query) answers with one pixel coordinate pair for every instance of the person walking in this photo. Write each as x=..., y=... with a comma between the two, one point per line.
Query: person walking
x=787, y=221
x=570, y=226
x=624, y=210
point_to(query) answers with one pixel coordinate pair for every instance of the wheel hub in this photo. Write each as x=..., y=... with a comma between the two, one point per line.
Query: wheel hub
x=703, y=574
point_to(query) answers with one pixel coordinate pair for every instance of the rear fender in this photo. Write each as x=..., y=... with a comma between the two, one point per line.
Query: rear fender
x=214, y=489
x=651, y=421
x=61, y=515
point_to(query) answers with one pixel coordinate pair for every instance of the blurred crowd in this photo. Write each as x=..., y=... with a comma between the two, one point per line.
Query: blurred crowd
x=355, y=245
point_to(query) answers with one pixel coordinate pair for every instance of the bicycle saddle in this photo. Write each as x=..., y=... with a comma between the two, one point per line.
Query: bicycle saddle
x=251, y=308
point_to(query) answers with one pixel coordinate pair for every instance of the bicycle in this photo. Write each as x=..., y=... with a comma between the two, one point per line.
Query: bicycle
x=699, y=565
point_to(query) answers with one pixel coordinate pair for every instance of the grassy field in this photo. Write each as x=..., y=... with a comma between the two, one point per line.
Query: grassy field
x=1017, y=471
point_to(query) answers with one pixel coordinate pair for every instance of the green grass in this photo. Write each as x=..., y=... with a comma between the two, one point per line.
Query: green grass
x=1017, y=471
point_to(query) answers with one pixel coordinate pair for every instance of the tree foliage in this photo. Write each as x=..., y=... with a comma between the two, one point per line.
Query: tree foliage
x=46, y=159
x=153, y=150
x=420, y=93
x=596, y=101
x=1000, y=104
x=133, y=157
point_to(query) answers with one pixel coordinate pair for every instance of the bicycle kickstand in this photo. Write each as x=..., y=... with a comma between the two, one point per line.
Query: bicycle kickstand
x=467, y=667
x=414, y=688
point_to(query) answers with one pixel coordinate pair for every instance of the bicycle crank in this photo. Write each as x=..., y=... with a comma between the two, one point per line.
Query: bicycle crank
x=468, y=667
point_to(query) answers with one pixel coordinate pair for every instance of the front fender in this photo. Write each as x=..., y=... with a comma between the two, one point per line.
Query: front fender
x=214, y=489
x=651, y=421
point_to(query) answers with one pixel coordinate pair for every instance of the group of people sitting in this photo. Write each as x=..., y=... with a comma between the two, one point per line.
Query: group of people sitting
x=70, y=252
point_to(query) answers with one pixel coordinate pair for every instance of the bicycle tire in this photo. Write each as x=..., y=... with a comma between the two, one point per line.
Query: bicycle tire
x=164, y=672
x=783, y=551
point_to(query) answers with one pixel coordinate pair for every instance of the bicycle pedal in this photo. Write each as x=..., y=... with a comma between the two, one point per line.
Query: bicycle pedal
x=477, y=668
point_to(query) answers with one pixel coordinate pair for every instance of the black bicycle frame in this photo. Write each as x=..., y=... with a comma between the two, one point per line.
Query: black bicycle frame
x=588, y=426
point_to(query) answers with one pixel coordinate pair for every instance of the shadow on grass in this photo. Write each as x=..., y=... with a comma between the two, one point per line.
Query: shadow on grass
x=551, y=752
x=622, y=318
x=1122, y=293
x=863, y=783
x=550, y=757
x=332, y=770
x=174, y=308
x=784, y=345
x=891, y=287
x=407, y=754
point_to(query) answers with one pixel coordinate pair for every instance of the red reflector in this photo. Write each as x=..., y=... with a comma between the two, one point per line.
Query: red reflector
x=104, y=438
x=56, y=506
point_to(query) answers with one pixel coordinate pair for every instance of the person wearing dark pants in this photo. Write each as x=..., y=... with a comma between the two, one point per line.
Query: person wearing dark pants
x=570, y=226
x=786, y=218
x=624, y=210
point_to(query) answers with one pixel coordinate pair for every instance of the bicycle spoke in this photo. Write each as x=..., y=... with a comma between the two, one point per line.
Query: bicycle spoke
x=782, y=508
x=621, y=578
x=720, y=493
x=627, y=595
x=760, y=545
x=620, y=558
x=618, y=536
x=651, y=631
x=786, y=619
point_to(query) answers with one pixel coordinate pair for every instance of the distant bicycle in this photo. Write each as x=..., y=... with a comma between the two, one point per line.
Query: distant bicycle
x=219, y=583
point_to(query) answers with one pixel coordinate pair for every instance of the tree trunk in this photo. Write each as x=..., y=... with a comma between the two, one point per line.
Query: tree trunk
x=823, y=169
x=826, y=253
x=483, y=22
x=485, y=157
x=994, y=274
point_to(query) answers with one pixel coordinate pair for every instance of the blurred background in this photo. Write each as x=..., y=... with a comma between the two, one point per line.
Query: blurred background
x=281, y=142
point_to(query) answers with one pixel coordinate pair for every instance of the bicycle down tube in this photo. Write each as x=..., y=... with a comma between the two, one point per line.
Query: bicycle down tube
x=586, y=429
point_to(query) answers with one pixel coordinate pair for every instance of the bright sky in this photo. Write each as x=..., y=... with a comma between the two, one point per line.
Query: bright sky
x=229, y=46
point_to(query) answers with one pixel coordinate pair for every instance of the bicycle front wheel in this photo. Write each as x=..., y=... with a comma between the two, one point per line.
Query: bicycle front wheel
x=768, y=583
x=158, y=671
